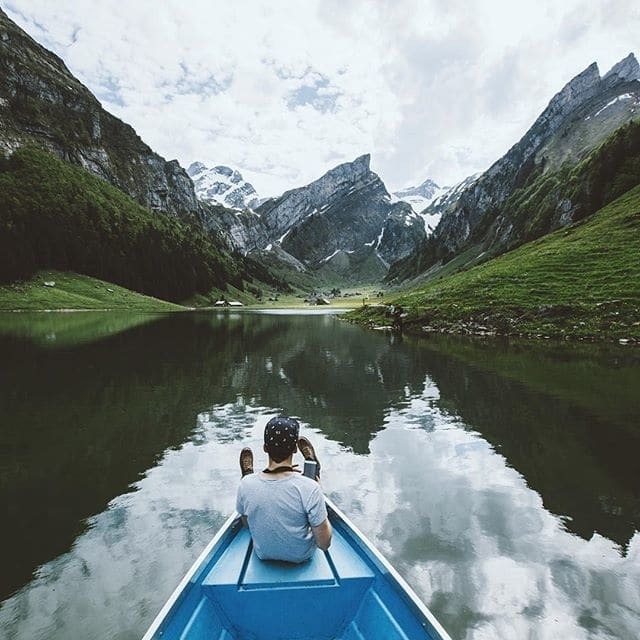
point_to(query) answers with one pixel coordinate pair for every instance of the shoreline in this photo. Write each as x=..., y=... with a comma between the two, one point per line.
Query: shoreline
x=372, y=317
x=468, y=330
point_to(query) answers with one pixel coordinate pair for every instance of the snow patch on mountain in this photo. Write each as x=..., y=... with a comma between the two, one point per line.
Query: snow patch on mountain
x=223, y=185
x=626, y=96
x=421, y=197
x=430, y=221
x=443, y=199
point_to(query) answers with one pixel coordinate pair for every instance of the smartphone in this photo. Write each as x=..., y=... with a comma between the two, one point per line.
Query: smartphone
x=310, y=467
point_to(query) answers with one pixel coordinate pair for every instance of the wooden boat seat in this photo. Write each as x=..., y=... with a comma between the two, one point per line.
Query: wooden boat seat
x=276, y=595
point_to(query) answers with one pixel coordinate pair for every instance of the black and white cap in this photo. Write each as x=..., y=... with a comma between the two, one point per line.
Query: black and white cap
x=281, y=437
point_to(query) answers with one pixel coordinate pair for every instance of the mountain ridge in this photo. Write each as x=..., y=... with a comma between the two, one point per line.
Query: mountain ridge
x=578, y=118
x=43, y=103
x=350, y=209
x=344, y=223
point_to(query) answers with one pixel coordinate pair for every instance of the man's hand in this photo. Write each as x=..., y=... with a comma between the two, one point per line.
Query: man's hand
x=322, y=534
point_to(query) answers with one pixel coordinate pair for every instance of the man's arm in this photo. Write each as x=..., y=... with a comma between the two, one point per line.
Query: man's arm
x=322, y=534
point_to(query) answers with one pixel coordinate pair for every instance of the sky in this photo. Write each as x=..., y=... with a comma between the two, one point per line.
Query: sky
x=284, y=90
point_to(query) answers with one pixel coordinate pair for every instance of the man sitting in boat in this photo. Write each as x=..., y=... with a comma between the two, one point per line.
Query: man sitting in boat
x=284, y=510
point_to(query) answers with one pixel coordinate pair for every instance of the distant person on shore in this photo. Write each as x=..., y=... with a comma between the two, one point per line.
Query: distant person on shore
x=284, y=510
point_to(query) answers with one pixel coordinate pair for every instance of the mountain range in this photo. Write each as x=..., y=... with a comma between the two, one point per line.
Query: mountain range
x=344, y=227
x=346, y=222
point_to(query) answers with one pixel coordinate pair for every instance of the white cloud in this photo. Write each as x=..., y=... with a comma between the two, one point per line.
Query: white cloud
x=286, y=90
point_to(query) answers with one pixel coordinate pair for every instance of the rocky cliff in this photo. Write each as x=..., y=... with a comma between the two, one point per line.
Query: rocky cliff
x=42, y=103
x=580, y=117
x=344, y=219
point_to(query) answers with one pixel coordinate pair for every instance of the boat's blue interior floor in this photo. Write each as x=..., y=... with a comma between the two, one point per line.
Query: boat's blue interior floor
x=336, y=595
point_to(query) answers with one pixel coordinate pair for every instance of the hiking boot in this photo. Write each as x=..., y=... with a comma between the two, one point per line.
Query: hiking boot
x=246, y=461
x=309, y=453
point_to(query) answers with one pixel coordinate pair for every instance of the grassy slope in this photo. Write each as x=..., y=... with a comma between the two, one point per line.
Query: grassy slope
x=533, y=210
x=581, y=281
x=74, y=291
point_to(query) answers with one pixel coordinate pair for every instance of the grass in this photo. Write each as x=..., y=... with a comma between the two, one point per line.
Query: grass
x=583, y=281
x=76, y=292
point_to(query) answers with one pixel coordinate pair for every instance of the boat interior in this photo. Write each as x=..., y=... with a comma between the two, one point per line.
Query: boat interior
x=340, y=595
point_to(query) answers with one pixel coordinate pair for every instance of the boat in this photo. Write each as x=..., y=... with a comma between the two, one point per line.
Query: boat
x=349, y=592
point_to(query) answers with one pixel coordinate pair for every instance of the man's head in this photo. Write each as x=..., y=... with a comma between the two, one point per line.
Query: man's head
x=281, y=437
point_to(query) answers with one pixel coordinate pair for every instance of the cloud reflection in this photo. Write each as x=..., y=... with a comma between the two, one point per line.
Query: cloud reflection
x=477, y=544
x=460, y=524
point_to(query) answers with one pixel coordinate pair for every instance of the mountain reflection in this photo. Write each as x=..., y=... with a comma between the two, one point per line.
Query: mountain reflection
x=83, y=422
x=539, y=406
x=447, y=452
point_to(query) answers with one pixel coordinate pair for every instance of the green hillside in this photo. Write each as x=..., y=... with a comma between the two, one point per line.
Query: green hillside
x=609, y=171
x=54, y=215
x=66, y=290
x=533, y=210
x=581, y=281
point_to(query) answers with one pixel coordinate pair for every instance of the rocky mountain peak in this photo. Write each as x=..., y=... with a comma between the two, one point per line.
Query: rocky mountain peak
x=222, y=185
x=346, y=179
x=426, y=190
x=362, y=163
x=588, y=84
x=577, y=90
x=627, y=69
x=234, y=176
x=349, y=171
x=196, y=167
x=420, y=198
x=345, y=221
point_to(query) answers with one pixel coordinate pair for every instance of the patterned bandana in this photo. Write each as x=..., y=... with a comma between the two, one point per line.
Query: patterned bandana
x=281, y=437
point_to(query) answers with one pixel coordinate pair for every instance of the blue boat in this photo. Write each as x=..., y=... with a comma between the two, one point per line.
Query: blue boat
x=349, y=592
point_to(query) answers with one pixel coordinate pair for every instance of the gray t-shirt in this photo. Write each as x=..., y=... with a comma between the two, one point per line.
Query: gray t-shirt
x=280, y=513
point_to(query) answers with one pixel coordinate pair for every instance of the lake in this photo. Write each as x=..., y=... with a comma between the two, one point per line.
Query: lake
x=499, y=478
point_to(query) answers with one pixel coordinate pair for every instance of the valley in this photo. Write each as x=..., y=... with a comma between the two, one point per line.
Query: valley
x=91, y=198
x=413, y=227
x=580, y=282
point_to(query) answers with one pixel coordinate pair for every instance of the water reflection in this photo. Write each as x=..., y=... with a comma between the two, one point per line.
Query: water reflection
x=477, y=544
x=470, y=467
x=566, y=420
x=69, y=329
x=82, y=423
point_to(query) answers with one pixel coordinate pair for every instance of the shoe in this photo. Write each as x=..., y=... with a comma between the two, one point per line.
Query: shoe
x=308, y=452
x=246, y=461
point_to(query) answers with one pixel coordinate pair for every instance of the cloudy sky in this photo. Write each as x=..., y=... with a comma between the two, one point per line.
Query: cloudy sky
x=286, y=89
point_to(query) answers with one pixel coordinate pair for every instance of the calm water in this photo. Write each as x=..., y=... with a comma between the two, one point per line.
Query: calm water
x=501, y=481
